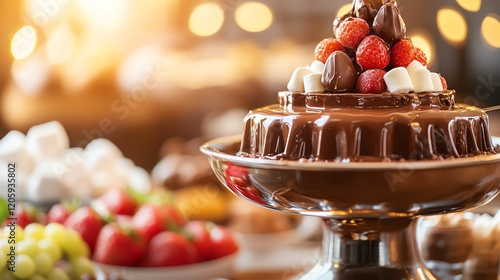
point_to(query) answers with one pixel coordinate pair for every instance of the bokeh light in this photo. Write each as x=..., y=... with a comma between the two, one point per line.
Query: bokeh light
x=253, y=16
x=344, y=10
x=206, y=19
x=452, y=25
x=470, y=5
x=24, y=42
x=490, y=28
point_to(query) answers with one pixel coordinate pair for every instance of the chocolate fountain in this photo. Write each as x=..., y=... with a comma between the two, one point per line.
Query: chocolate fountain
x=367, y=163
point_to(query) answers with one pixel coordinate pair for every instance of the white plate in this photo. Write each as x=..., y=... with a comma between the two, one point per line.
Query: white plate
x=218, y=268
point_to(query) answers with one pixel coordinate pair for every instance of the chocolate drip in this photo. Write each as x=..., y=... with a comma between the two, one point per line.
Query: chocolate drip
x=369, y=127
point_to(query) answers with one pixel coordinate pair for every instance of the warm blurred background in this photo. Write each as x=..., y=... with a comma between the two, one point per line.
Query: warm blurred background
x=142, y=72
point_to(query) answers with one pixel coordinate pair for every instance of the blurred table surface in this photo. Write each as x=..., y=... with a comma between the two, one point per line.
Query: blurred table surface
x=277, y=262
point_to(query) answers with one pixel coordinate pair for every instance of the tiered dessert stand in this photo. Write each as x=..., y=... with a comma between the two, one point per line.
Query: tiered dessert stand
x=370, y=210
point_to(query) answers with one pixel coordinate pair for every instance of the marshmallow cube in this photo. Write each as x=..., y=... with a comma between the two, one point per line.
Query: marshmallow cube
x=296, y=82
x=13, y=150
x=422, y=80
x=398, y=81
x=436, y=82
x=44, y=184
x=73, y=175
x=46, y=140
x=101, y=155
x=317, y=66
x=312, y=83
x=139, y=180
x=414, y=65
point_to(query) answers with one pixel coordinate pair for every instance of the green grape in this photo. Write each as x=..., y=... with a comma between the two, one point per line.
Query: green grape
x=4, y=210
x=36, y=277
x=3, y=262
x=5, y=246
x=82, y=265
x=43, y=263
x=7, y=275
x=58, y=233
x=35, y=231
x=28, y=246
x=25, y=267
x=50, y=247
x=19, y=233
x=75, y=246
x=57, y=274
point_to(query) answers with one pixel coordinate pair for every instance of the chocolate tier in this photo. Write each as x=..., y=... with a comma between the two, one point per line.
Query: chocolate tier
x=366, y=127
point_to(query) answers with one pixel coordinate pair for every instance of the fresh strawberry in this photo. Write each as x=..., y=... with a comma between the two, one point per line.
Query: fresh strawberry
x=351, y=31
x=373, y=53
x=119, y=245
x=210, y=240
x=87, y=223
x=326, y=47
x=26, y=214
x=200, y=232
x=59, y=212
x=152, y=219
x=118, y=202
x=223, y=242
x=402, y=53
x=169, y=248
x=420, y=56
x=371, y=81
x=443, y=82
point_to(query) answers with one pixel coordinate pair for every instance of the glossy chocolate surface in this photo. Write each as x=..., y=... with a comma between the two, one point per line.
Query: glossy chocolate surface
x=366, y=128
x=388, y=24
x=339, y=74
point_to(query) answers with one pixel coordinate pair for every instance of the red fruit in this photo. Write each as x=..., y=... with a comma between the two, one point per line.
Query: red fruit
x=118, y=202
x=420, y=56
x=26, y=214
x=200, y=231
x=326, y=47
x=373, y=53
x=119, y=245
x=351, y=31
x=443, y=82
x=169, y=248
x=371, y=81
x=223, y=242
x=402, y=53
x=59, y=212
x=87, y=223
x=152, y=219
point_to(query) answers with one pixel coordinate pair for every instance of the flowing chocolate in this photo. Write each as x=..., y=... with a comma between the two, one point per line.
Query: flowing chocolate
x=339, y=74
x=388, y=24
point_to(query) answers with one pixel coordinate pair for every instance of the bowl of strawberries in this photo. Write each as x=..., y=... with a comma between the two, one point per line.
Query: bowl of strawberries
x=146, y=237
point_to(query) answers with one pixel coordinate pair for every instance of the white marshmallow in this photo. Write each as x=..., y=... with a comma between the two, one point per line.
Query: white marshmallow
x=414, y=65
x=422, y=81
x=398, y=81
x=436, y=82
x=101, y=155
x=71, y=171
x=312, y=83
x=46, y=140
x=13, y=150
x=44, y=184
x=139, y=180
x=317, y=66
x=296, y=82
